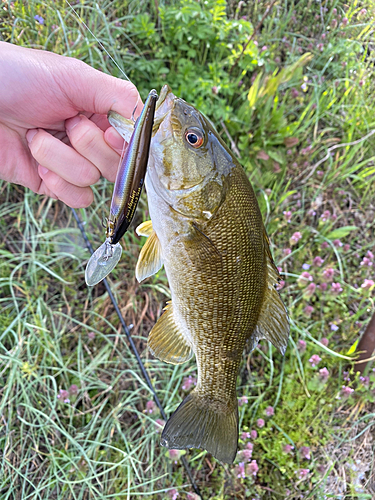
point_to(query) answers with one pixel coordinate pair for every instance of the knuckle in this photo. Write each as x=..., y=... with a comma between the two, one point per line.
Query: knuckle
x=84, y=198
x=89, y=175
x=82, y=138
x=39, y=148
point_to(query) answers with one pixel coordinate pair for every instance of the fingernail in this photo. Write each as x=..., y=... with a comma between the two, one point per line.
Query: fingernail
x=72, y=122
x=30, y=134
x=42, y=170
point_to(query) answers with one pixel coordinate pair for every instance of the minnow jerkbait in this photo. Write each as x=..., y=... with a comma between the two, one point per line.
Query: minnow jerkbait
x=128, y=186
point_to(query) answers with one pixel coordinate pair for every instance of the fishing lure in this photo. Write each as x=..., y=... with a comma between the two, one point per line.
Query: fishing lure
x=128, y=186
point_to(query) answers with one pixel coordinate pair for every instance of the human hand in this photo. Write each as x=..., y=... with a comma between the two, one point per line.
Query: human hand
x=53, y=123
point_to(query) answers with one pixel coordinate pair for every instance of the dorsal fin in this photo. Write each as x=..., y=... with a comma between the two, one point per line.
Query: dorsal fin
x=166, y=341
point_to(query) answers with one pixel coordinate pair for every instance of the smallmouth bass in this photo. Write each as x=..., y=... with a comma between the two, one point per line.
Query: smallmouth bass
x=206, y=229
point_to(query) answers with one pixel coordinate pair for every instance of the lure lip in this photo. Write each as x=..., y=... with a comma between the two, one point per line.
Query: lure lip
x=131, y=174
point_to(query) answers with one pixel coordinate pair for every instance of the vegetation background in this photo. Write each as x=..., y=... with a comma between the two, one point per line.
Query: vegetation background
x=290, y=87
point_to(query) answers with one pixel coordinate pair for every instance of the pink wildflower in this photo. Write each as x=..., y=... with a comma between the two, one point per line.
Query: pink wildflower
x=323, y=374
x=73, y=390
x=173, y=494
x=63, y=396
x=301, y=345
x=192, y=496
x=252, y=468
x=365, y=381
x=245, y=455
x=367, y=284
x=304, y=278
x=324, y=245
x=240, y=470
x=309, y=290
x=318, y=261
x=366, y=262
x=174, y=454
x=188, y=383
x=336, y=288
x=308, y=311
x=287, y=251
x=303, y=473
x=324, y=341
x=260, y=422
x=369, y=254
x=294, y=239
x=315, y=360
x=305, y=452
x=242, y=401
x=280, y=285
x=325, y=216
x=245, y=435
x=288, y=215
x=91, y=335
x=346, y=247
x=150, y=406
x=328, y=273
x=337, y=243
x=270, y=411
x=159, y=425
x=323, y=286
x=346, y=391
x=287, y=448
x=253, y=434
x=249, y=446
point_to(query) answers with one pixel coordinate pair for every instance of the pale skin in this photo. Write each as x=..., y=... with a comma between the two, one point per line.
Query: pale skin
x=54, y=135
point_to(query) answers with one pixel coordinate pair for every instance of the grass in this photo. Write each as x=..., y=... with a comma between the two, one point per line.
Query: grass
x=60, y=341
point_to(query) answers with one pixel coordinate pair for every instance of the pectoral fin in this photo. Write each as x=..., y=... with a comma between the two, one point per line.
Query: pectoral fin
x=145, y=229
x=150, y=259
x=166, y=342
x=203, y=247
x=273, y=321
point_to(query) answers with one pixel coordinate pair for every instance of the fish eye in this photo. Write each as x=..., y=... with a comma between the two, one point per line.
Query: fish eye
x=194, y=137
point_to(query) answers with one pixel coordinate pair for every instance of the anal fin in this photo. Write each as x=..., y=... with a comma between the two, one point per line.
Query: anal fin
x=166, y=341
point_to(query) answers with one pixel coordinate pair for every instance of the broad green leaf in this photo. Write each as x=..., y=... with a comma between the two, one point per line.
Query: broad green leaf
x=285, y=196
x=341, y=232
x=353, y=348
x=253, y=92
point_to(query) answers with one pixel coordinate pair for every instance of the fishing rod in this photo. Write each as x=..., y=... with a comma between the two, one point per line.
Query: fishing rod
x=135, y=351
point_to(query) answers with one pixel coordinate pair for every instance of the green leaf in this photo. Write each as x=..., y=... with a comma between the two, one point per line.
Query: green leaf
x=341, y=232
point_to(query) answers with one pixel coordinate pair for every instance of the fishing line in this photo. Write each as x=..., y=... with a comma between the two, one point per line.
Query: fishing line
x=97, y=40
x=135, y=351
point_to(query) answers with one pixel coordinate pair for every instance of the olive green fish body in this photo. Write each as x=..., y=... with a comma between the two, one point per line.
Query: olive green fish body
x=208, y=232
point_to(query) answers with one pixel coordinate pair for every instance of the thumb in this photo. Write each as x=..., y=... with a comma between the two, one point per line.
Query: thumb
x=91, y=90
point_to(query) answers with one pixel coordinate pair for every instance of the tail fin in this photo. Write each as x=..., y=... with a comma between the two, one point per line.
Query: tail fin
x=198, y=423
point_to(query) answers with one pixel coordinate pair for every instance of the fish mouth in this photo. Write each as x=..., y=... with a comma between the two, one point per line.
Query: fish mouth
x=163, y=106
